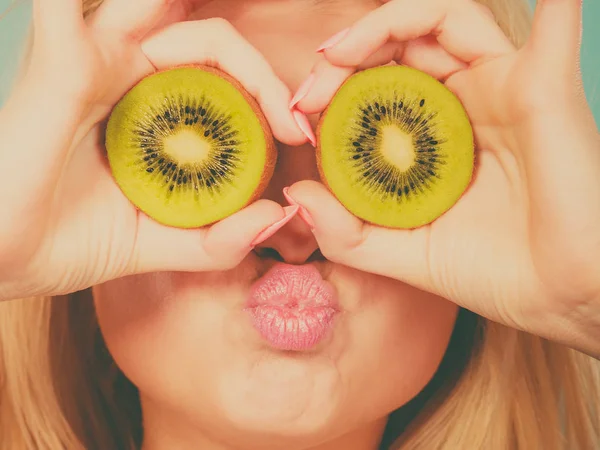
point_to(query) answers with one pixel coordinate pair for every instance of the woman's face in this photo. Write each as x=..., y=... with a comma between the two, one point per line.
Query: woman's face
x=188, y=341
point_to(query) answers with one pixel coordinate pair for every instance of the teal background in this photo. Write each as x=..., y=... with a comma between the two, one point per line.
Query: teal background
x=13, y=26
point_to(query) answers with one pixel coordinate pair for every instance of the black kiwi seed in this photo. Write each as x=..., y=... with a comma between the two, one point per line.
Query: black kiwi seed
x=220, y=165
x=376, y=174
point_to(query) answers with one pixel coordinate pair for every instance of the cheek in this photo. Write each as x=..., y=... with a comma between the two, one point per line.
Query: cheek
x=160, y=336
x=133, y=319
x=398, y=336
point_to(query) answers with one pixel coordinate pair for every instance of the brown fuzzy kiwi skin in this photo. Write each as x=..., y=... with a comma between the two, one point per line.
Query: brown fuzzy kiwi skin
x=318, y=152
x=271, y=149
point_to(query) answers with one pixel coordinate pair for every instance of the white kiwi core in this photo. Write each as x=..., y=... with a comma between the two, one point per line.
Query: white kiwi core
x=186, y=146
x=397, y=147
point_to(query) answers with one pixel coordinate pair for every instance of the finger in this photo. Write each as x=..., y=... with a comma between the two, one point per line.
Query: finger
x=132, y=20
x=555, y=38
x=327, y=80
x=345, y=239
x=55, y=20
x=462, y=28
x=218, y=44
x=427, y=55
x=424, y=54
x=219, y=247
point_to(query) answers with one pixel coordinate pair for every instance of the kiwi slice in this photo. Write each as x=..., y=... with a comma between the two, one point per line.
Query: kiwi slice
x=189, y=146
x=395, y=146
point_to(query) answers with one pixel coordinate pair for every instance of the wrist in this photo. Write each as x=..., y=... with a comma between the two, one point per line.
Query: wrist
x=13, y=290
x=579, y=327
x=588, y=321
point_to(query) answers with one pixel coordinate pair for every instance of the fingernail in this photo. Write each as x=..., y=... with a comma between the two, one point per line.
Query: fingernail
x=302, y=211
x=290, y=212
x=302, y=90
x=333, y=40
x=304, y=125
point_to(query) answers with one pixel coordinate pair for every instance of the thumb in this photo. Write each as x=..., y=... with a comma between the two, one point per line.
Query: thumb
x=221, y=246
x=345, y=239
x=555, y=40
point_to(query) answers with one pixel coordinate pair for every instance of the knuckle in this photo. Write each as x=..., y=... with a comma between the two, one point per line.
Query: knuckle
x=221, y=26
x=455, y=6
x=268, y=208
x=220, y=36
x=23, y=283
x=214, y=259
x=254, y=88
x=486, y=10
x=461, y=3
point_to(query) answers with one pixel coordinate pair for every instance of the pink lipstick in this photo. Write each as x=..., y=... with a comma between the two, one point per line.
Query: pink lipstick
x=292, y=307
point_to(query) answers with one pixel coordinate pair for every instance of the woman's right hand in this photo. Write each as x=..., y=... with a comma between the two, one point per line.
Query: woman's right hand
x=64, y=223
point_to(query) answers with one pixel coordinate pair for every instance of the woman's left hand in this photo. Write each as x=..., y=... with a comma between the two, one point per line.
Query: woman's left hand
x=522, y=246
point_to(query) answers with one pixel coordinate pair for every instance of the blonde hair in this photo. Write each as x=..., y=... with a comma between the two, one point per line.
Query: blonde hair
x=496, y=389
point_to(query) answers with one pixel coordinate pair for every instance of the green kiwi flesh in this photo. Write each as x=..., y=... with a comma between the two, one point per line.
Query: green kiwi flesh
x=395, y=146
x=189, y=146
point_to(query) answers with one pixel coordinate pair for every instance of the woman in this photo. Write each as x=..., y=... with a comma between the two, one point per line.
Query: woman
x=471, y=333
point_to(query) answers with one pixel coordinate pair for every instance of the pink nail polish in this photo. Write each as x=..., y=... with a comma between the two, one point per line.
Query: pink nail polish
x=304, y=125
x=290, y=212
x=302, y=212
x=333, y=40
x=302, y=90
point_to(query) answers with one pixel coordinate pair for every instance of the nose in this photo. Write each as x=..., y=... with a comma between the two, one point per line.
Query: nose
x=293, y=244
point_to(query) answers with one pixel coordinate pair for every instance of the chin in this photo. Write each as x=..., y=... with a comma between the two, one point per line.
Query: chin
x=281, y=395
